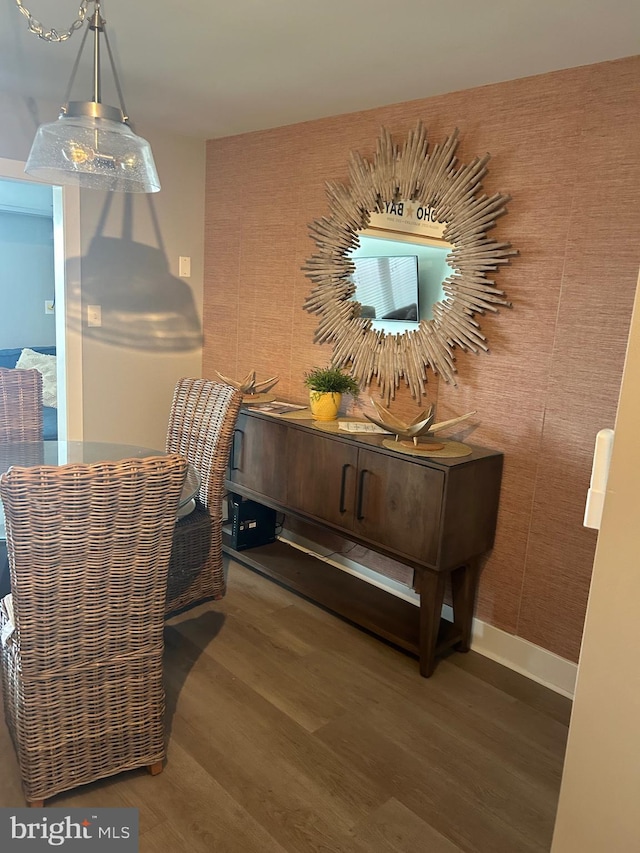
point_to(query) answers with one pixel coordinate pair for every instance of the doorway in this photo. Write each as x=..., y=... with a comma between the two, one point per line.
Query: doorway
x=66, y=270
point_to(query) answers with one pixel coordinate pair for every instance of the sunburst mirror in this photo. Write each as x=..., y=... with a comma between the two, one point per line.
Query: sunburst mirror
x=411, y=185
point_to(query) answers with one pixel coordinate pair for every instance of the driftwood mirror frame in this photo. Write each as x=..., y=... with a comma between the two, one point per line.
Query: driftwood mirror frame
x=431, y=179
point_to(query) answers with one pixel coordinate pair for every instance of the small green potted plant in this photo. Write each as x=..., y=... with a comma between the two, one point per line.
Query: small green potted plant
x=326, y=387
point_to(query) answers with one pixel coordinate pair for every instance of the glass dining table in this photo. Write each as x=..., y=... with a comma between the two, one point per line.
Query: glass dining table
x=33, y=453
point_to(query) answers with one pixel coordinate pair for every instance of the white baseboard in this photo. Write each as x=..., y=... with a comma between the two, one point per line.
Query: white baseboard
x=517, y=654
x=524, y=657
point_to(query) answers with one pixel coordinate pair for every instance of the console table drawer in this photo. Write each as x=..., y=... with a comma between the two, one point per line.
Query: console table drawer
x=258, y=456
x=399, y=505
x=382, y=499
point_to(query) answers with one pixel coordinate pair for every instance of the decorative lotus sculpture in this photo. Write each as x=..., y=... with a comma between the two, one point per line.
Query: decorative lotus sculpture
x=251, y=389
x=422, y=425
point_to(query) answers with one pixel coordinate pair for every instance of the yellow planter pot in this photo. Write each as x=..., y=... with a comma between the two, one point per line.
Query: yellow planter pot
x=324, y=405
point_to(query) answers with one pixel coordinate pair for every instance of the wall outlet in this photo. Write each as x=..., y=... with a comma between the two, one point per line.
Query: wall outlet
x=94, y=315
x=49, y=306
x=184, y=267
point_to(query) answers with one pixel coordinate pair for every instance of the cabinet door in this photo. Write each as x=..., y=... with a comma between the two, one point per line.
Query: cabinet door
x=321, y=477
x=399, y=504
x=258, y=456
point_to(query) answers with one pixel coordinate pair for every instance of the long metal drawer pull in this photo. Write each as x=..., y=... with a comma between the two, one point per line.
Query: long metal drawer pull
x=359, y=513
x=236, y=432
x=343, y=486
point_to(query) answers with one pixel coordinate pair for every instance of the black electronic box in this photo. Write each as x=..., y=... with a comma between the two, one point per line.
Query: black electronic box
x=252, y=524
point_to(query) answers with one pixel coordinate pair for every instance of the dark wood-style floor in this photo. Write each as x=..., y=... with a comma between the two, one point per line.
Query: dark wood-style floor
x=290, y=730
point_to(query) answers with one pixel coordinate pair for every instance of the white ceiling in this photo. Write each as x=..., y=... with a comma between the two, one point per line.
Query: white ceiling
x=213, y=69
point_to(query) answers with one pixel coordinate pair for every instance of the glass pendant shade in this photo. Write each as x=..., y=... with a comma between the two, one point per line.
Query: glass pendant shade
x=93, y=152
x=92, y=145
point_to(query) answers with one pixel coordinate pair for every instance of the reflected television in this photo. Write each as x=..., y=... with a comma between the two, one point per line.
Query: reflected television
x=387, y=287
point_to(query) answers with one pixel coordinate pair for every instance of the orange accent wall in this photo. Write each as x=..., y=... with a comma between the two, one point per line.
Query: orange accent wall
x=565, y=147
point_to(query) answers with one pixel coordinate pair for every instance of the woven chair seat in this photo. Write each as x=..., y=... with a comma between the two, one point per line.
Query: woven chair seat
x=191, y=548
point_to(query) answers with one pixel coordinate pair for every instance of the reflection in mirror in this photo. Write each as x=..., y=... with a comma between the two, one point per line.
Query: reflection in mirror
x=387, y=288
x=398, y=281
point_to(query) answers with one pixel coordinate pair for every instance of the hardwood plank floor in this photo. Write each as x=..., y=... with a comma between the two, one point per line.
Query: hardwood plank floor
x=290, y=731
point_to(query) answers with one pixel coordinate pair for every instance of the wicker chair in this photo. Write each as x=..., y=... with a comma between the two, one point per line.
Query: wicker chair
x=20, y=405
x=201, y=424
x=82, y=632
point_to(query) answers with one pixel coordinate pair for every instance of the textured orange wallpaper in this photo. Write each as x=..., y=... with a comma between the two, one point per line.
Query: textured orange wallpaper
x=565, y=147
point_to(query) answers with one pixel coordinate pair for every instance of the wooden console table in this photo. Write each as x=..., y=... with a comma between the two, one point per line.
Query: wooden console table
x=437, y=516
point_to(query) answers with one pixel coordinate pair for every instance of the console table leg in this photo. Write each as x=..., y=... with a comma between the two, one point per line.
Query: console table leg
x=432, y=586
x=464, y=582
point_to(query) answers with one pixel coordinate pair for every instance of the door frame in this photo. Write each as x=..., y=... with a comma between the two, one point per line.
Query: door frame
x=67, y=250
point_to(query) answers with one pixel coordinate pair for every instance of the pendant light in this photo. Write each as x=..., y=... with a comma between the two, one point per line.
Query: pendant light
x=91, y=144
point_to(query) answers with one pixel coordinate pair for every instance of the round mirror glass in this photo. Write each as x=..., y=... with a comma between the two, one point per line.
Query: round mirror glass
x=398, y=282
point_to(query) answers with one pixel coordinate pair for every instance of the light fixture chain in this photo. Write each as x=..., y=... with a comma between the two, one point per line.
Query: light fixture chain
x=53, y=35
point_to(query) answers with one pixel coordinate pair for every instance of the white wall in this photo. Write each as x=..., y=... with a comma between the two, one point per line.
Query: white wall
x=598, y=807
x=151, y=333
x=147, y=339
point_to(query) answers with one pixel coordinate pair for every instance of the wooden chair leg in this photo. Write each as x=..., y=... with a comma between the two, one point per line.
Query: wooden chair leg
x=432, y=585
x=36, y=804
x=156, y=768
x=464, y=583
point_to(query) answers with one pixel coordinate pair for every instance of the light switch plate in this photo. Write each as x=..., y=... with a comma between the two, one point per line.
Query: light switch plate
x=94, y=315
x=184, y=267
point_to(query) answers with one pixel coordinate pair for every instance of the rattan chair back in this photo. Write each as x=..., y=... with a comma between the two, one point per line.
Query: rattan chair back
x=201, y=424
x=20, y=405
x=89, y=548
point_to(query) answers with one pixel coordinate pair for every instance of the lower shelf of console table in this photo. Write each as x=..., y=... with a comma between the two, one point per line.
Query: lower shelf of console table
x=418, y=630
